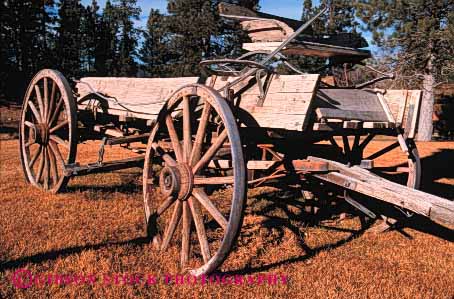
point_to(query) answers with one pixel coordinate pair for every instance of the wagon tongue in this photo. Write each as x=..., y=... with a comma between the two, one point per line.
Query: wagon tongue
x=439, y=210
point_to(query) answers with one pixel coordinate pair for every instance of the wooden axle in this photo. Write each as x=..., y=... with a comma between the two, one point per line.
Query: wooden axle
x=78, y=170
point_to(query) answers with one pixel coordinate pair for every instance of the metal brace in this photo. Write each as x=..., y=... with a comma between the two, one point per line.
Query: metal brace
x=263, y=86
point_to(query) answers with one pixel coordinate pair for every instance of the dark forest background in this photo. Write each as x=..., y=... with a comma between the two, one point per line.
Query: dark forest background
x=90, y=40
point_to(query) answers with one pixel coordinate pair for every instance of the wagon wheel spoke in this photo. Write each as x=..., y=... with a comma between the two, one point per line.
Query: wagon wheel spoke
x=29, y=124
x=40, y=101
x=187, y=133
x=35, y=156
x=174, y=138
x=51, y=101
x=165, y=205
x=57, y=111
x=59, y=126
x=173, y=223
x=46, y=99
x=347, y=150
x=57, y=152
x=203, y=198
x=185, y=235
x=198, y=143
x=166, y=157
x=47, y=169
x=40, y=166
x=31, y=142
x=53, y=164
x=34, y=111
x=208, y=156
x=223, y=180
x=200, y=229
x=60, y=141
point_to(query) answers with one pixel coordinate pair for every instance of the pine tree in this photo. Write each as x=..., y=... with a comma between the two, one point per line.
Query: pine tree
x=26, y=38
x=153, y=52
x=421, y=40
x=69, y=37
x=127, y=13
x=90, y=37
x=106, y=54
x=6, y=42
x=193, y=24
x=197, y=33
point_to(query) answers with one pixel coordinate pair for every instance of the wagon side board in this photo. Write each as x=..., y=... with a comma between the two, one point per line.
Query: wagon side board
x=287, y=103
x=290, y=102
x=132, y=97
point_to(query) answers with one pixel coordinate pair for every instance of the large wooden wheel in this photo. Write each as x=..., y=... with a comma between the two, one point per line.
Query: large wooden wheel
x=47, y=134
x=183, y=183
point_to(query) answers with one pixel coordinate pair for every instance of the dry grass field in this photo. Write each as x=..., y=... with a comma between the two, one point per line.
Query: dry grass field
x=96, y=227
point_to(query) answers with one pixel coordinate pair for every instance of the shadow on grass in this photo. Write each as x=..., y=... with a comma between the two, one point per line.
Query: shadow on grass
x=438, y=166
x=292, y=210
x=55, y=254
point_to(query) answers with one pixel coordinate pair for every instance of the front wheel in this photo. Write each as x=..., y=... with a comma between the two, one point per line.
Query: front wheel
x=194, y=173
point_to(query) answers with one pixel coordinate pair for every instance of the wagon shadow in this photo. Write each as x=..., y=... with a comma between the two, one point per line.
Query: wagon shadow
x=130, y=184
x=292, y=210
x=438, y=166
x=56, y=254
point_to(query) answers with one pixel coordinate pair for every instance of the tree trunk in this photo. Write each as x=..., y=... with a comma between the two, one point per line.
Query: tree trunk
x=425, y=126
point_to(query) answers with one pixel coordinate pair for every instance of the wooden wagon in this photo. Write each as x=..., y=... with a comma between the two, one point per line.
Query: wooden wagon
x=210, y=138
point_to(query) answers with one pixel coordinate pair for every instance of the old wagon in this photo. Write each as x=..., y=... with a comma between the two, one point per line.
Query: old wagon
x=244, y=125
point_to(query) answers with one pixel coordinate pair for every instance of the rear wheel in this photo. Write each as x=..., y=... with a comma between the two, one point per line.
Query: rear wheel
x=47, y=134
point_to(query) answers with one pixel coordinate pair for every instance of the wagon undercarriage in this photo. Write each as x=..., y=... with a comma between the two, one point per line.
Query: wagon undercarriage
x=208, y=139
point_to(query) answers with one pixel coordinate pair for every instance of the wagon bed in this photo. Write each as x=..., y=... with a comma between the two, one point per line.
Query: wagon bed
x=292, y=102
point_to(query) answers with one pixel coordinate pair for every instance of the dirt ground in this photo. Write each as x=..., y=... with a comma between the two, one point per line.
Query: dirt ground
x=96, y=228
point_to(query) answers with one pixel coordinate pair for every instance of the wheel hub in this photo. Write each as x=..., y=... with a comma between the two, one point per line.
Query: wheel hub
x=41, y=134
x=176, y=181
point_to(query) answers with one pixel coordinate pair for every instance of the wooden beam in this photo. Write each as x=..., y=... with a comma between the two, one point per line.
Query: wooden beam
x=439, y=210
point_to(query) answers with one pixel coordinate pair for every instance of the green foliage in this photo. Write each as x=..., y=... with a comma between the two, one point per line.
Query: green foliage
x=26, y=39
x=127, y=12
x=193, y=31
x=91, y=22
x=419, y=32
x=154, y=52
x=69, y=37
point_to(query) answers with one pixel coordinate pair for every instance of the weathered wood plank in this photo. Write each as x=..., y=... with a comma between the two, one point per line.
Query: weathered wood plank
x=348, y=114
x=438, y=209
x=242, y=13
x=279, y=84
x=309, y=49
x=395, y=100
x=266, y=30
x=139, y=95
x=287, y=103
